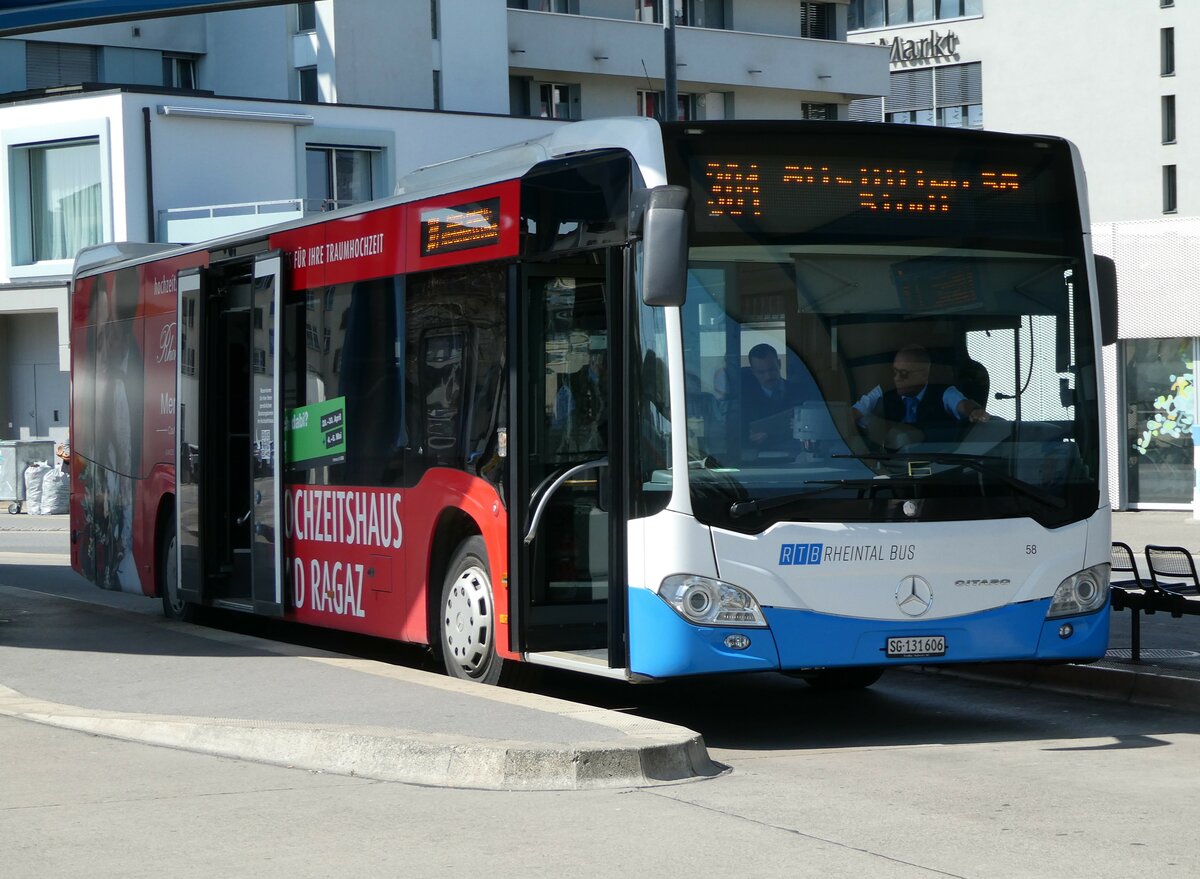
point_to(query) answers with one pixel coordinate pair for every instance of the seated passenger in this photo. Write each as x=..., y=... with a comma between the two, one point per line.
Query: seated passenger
x=930, y=409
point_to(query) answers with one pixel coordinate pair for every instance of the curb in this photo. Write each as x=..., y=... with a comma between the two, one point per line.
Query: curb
x=1158, y=689
x=645, y=753
x=393, y=755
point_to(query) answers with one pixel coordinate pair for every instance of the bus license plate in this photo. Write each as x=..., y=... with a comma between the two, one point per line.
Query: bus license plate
x=924, y=645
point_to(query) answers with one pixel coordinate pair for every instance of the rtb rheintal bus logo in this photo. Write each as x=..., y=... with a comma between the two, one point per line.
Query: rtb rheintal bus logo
x=801, y=553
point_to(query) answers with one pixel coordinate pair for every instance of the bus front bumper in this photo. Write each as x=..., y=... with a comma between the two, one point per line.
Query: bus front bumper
x=662, y=644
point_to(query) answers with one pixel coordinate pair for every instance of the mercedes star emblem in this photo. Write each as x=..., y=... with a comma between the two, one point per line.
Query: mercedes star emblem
x=914, y=595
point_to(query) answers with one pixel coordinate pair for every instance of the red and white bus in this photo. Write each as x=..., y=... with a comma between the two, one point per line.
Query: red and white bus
x=516, y=412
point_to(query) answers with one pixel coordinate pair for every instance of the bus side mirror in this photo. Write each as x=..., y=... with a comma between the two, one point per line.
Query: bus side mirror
x=1106, y=293
x=665, y=246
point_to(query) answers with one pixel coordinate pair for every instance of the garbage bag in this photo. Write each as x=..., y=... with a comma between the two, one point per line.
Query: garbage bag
x=34, y=474
x=56, y=492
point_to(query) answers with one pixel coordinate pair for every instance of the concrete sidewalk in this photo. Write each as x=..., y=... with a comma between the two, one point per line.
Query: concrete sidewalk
x=140, y=678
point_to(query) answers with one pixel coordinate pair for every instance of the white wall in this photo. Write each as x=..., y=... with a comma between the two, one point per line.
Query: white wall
x=249, y=53
x=384, y=53
x=473, y=40
x=183, y=33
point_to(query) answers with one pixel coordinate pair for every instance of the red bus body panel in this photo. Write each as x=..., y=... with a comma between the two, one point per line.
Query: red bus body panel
x=357, y=558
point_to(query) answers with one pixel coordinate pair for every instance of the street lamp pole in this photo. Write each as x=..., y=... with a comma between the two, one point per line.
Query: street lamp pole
x=671, y=98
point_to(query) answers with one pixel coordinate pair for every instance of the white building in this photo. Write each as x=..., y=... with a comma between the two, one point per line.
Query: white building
x=1105, y=76
x=198, y=125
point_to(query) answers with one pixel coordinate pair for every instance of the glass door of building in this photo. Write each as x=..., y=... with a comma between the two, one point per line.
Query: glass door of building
x=1160, y=409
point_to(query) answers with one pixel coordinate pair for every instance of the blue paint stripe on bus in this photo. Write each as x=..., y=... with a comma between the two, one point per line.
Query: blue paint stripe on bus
x=1015, y=632
x=663, y=644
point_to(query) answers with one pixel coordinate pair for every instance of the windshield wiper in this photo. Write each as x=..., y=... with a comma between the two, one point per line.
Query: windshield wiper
x=748, y=508
x=978, y=463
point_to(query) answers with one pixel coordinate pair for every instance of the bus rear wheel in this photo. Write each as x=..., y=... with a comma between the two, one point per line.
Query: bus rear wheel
x=174, y=607
x=467, y=617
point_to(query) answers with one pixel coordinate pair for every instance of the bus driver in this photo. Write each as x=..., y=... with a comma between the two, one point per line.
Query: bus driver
x=928, y=408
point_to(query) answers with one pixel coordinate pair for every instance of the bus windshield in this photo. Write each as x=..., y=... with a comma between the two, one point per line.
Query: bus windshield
x=905, y=338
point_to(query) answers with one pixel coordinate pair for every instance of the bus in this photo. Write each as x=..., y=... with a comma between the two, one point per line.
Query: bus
x=510, y=412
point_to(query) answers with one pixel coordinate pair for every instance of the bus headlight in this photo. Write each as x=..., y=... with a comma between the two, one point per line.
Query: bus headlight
x=1080, y=593
x=708, y=602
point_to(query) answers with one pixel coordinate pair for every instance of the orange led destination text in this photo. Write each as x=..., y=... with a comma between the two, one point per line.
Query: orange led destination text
x=465, y=229
x=736, y=189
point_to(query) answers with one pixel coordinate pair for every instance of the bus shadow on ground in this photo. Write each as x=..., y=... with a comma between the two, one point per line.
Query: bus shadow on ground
x=771, y=712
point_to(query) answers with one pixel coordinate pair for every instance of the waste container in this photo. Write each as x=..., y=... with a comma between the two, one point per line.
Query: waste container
x=15, y=456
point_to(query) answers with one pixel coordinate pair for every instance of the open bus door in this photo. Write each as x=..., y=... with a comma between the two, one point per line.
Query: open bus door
x=229, y=476
x=567, y=548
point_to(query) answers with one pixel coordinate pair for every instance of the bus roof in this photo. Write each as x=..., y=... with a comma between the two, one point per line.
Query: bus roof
x=640, y=136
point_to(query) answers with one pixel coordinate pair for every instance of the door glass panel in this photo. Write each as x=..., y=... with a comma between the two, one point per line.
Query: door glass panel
x=570, y=376
x=264, y=402
x=1159, y=410
x=188, y=438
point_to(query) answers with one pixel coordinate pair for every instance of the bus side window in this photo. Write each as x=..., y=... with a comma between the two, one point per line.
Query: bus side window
x=442, y=378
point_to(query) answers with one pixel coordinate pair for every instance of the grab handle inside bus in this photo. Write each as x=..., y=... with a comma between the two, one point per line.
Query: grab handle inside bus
x=665, y=246
x=1106, y=294
x=555, y=484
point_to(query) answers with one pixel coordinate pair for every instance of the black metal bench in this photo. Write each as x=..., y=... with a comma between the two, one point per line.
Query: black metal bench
x=1129, y=593
x=1174, y=586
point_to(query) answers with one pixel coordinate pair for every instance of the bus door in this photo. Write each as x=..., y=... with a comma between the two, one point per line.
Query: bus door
x=568, y=543
x=228, y=473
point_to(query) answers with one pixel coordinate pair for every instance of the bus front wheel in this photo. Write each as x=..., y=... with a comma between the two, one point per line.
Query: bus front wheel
x=467, y=617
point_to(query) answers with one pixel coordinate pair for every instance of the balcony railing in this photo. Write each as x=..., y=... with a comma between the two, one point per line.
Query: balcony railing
x=200, y=223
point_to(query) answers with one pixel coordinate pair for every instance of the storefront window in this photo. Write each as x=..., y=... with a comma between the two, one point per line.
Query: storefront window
x=1159, y=411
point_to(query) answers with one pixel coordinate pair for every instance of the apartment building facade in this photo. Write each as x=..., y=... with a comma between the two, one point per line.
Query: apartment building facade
x=1117, y=80
x=179, y=129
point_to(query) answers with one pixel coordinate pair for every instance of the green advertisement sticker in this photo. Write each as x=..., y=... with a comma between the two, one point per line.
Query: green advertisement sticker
x=316, y=434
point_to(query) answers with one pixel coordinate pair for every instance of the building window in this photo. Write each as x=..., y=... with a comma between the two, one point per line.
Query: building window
x=647, y=10
x=949, y=96
x=653, y=104
x=433, y=19
x=865, y=14
x=306, y=16
x=558, y=100
x=1158, y=440
x=437, y=89
x=1167, y=47
x=1166, y=3
x=817, y=21
x=1168, y=119
x=309, y=91
x=48, y=65
x=562, y=6
x=57, y=200
x=1170, y=205
x=338, y=177
x=518, y=96
x=179, y=72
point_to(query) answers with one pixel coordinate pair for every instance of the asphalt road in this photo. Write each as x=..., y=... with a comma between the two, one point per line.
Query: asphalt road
x=921, y=775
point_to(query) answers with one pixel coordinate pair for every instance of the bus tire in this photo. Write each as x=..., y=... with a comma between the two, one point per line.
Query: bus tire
x=842, y=679
x=174, y=607
x=467, y=618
